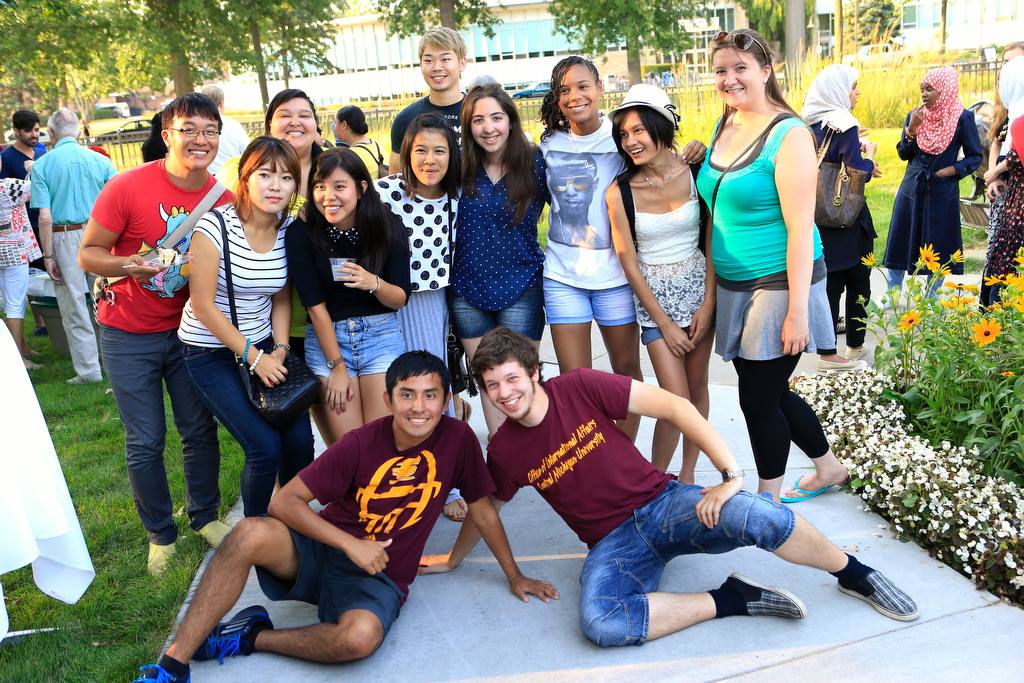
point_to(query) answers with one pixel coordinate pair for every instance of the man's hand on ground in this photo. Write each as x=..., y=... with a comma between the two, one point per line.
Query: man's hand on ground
x=369, y=556
x=436, y=564
x=715, y=497
x=521, y=586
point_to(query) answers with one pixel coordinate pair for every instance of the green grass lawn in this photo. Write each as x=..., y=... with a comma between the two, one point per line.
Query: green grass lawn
x=124, y=617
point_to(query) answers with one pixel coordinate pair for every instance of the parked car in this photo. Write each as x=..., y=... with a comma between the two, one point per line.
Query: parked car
x=132, y=130
x=115, y=110
x=44, y=136
x=538, y=89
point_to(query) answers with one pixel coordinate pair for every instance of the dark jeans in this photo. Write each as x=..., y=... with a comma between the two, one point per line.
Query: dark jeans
x=857, y=283
x=775, y=416
x=137, y=365
x=270, y=454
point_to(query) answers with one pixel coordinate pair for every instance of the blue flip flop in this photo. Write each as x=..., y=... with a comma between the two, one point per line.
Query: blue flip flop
x=807, y=494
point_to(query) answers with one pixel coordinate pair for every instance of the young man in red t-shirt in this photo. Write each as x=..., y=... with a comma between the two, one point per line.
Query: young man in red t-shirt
x=560, y=437
x=383, y=486
x=136, y=212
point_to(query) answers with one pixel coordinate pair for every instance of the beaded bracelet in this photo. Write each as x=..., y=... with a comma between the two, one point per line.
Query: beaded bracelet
x=245, y=354
x=259, y=356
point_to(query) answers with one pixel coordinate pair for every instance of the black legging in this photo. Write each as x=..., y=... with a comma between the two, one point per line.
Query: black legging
x=857, y=283
x=776, y=416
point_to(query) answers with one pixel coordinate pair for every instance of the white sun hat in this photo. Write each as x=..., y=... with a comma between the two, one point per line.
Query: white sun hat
x=651, y=96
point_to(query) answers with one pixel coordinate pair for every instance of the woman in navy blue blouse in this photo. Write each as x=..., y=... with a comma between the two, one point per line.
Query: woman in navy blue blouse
x=927, y=207
x=827, y=109
x=498, y=262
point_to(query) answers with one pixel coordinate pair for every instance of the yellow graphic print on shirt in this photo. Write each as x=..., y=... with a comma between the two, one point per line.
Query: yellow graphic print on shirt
x=562, y=461
x=397, y=478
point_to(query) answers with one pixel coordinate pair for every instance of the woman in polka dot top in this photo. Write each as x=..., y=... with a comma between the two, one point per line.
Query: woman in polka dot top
x=498, y=262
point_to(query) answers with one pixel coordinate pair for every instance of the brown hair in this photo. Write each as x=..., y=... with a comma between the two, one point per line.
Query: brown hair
x=999, y=112
x=519, y=151
x=763, y=55
x=265, y=150
x=501, y=345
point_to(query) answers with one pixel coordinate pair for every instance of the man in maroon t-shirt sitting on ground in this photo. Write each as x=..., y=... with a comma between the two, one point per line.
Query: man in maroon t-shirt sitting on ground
x=383, y=486
x=560, y=437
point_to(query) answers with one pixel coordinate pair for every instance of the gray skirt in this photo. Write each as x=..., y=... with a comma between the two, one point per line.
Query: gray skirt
x=748, y=324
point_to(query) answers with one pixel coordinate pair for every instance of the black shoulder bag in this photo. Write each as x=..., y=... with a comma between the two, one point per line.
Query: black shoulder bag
x=458, y=366
x=622, y=180
x=283, y=404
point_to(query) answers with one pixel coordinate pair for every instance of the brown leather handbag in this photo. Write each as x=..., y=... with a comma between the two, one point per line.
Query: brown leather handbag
x=840, y=194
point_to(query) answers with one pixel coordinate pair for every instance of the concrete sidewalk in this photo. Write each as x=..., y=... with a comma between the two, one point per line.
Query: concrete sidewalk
x=467, y=626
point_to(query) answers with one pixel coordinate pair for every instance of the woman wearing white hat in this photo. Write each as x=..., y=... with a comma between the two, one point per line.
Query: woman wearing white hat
x=657, y=220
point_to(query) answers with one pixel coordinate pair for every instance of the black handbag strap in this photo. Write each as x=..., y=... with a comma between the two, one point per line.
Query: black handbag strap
x=779, y=118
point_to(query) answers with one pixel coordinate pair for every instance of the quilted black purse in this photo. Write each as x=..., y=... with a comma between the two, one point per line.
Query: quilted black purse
x=283, y=404
x=458, y=364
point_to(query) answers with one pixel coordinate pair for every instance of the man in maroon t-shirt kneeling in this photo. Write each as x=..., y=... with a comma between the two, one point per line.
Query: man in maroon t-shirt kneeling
x=383, y=486
x=560, y=437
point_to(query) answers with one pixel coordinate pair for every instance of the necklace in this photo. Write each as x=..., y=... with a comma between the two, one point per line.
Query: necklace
x=495, y=178
x=666, y=179
x=350, y=235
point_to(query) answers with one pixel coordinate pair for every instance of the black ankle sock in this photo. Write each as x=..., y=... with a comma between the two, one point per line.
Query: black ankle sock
x=174, y=667
x=731, y=598
x=248, y=642
x=852, y=575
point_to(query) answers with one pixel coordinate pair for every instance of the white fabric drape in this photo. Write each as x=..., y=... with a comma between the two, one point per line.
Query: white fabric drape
x=38, y=523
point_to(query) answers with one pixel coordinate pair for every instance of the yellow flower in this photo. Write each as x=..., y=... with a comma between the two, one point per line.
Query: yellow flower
x=1014, y=280
x=909, y=319
x=870, y=261
x=959, y=302
x=951, y=285
x=929, y=258
x=1020, y=260
x=1018, y=303
x=996, y=307
x=973, y=289
x=943, y=271
x=993, y=280
x=957, y=257
x=986, y=331
x=1008, y=373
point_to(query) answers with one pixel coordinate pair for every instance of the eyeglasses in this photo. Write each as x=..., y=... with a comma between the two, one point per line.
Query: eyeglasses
x=580, y=183
x=742, y=41
x=193, y=133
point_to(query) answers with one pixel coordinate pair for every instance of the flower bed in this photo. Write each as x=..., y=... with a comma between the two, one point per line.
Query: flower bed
x=936, y=496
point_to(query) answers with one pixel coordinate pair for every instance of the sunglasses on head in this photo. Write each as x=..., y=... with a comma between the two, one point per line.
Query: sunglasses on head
x=741, y=41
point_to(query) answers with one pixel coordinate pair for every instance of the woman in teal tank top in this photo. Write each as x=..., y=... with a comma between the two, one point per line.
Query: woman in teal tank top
x=771, y=299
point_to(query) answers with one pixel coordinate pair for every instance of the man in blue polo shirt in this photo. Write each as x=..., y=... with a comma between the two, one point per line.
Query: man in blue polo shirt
x=65, y=184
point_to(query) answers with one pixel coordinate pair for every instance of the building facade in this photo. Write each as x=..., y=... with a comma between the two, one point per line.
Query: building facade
x=370, y=64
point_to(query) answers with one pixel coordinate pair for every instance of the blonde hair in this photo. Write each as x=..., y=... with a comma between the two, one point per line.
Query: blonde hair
x=444, y=38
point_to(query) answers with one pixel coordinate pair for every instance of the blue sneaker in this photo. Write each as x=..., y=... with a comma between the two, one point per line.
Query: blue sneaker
x=152, y=673
x=230, y=638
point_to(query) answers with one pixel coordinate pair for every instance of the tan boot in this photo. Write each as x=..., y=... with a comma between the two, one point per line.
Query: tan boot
x=214, y=532
x=159, y=557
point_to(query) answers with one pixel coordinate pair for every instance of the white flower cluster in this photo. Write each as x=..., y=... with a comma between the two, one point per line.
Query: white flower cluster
x=937, y=496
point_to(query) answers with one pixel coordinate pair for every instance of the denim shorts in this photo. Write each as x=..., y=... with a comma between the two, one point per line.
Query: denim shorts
x=369, y=345
x=626, y=565
x=328, y=579
x=566, y=305
x=525, y=316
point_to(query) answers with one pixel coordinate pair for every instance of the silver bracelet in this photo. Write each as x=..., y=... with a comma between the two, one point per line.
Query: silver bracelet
x=377, y=286
x=286, y=347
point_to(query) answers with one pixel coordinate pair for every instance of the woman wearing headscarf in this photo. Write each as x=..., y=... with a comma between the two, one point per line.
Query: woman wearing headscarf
x=999, y=180
x=927, y=207
x=827, y=109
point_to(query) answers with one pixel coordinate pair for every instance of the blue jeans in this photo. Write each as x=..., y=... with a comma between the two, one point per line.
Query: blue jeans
x=138, y=365
x=270, y=454
x=525, y=316
x=626, y=565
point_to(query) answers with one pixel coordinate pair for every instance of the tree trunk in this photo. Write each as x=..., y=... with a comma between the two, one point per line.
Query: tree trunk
x=837, y=31
x=181, y=71
x=942, y=27
x=285, y=72
x=633, y=63
x=261, y=67
x=447, y=9
x=795, y=29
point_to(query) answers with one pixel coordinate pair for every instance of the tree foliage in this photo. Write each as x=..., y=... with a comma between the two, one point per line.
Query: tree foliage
x=869, y=22
x=768, y=17
x=411, y=17
x=639, y=24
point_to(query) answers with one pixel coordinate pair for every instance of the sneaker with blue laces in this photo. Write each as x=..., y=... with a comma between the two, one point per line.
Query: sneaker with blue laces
x=233, y=637
x=153, y=673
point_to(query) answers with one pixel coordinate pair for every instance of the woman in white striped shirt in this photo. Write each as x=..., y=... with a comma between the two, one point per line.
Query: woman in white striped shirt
x=256, y=224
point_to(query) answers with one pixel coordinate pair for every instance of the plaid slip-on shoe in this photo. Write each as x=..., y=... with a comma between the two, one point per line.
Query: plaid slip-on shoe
x=882, y=594
x=774, y=602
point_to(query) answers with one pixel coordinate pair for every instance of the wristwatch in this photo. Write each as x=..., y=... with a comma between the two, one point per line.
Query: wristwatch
x=728, y=475
x=331, y=364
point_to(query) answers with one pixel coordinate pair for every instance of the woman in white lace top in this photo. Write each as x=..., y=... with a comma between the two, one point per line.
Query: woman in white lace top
x=656, y=219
